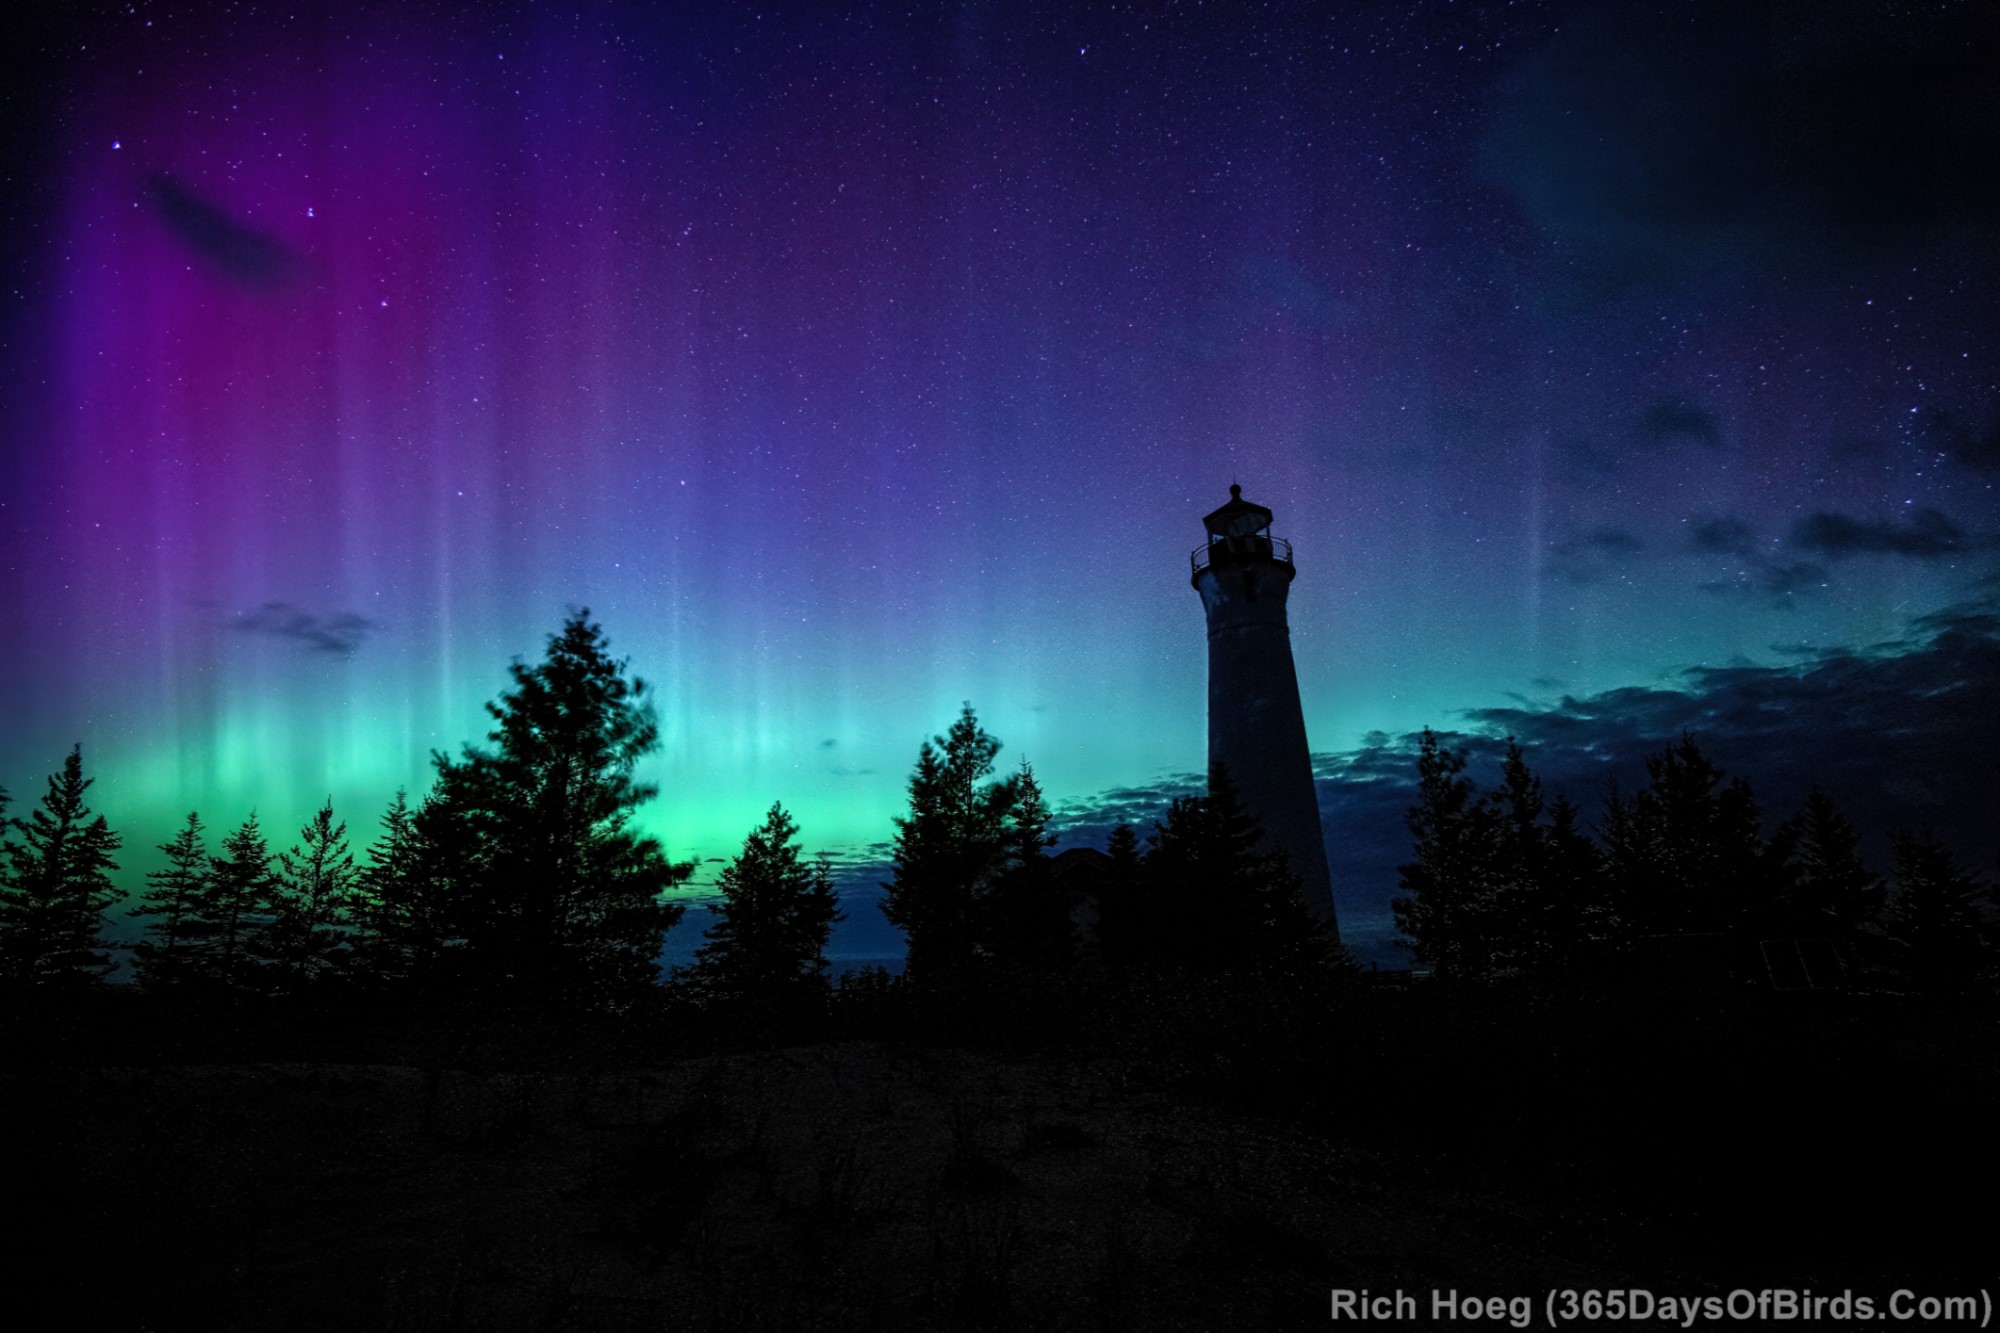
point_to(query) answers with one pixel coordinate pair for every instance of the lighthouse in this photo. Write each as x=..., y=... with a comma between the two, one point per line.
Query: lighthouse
x=1256, y=729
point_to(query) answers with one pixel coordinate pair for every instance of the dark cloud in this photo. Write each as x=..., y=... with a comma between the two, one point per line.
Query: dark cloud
x=1960, y=437
x=1722, y=536
x=1659, y=139
x=1088, y=823
x=1981, y=450
x=1785, y=579
x=250, y=257
x=339, y=634
x=1974, y=620
x=1902, y=735
x=1926, y=535
x=1776, y=583
x=1677, y=421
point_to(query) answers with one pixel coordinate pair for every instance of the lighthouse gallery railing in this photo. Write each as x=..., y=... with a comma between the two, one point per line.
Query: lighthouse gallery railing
x=1232, y=550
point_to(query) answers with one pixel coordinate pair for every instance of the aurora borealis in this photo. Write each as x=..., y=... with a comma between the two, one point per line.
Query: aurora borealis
x=849, y=364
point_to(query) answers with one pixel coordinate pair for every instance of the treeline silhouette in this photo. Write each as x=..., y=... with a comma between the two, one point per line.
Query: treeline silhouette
x=517, y=883
x=1603, y=1047
x=1507, y=885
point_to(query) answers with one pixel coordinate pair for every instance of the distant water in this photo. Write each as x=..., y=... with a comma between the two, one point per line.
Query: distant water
x=683, y=940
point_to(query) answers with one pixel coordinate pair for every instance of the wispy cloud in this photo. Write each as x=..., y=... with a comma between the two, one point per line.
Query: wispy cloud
x=1926, y=535
x=338, y=634
x=1902, y=734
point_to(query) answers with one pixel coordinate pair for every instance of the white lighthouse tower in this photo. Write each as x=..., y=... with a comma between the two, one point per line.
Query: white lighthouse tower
x=1256, y=729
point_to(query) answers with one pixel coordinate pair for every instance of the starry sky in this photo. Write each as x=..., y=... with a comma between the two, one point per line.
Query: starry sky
x=1612, y=369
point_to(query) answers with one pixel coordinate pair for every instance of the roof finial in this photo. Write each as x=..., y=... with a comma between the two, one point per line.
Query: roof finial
x=1235, y=491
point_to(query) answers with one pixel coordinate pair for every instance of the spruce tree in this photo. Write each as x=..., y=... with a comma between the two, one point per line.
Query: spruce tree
x=1627, y=857
x=1577, y=916
x=1696, y=859
x=772, y=924
x=52, y=904
x=1028, y=918
x=1122, y=919
x=1935, y=915
x=401, y=924
x=1545, y=906
x=1216, y=899
x=948, y=850
x=237, y=912
x=313, y=902
x=170, y=952
x=1445, y=909
x=1516, y=920
x=1832, y=890
x=560, y=899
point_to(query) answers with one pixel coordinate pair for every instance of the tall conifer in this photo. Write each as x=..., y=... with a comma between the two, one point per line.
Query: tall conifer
x=52, y=904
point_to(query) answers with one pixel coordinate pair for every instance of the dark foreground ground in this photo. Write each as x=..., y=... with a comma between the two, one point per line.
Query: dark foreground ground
x=1174, y=1174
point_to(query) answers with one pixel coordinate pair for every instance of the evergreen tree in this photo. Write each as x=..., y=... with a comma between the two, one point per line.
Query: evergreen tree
x=1028, y=915
x=771, y=927
x=401, y=905
x=1627, y=859
x=175, y=902
x=1577, y=917
x=1832, y=889
x=237, y=912
x=1121, y=908
x=313, y=901
x=1691, y=849
x=1517, y=917
x=52, y=904
x=560, y=900
x=1545, y=905
x=1445, y=909
x=948, y=850
x=1216, y=899
x=1935, y=915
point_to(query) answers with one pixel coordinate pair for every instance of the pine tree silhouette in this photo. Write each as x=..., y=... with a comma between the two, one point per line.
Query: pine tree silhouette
x=772, y=924
x=1216, y=899
x=1547, y=906
x=1935, y=916
x=237, y=912
x=1516, y=920
x=948, y=850
x=313, y=901
x=1831, y=889
x=171, y=952
x=1577, y=916
x=1445, y=909
x=52, y=904
x=1028, y=917
x=561, y=900
x=1122, y=918
x=403, y=906
x=1690, y=853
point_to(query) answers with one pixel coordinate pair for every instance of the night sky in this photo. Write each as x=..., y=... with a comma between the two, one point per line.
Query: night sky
x=1612, y=368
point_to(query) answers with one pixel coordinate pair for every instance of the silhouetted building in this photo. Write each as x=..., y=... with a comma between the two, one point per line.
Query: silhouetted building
x=1256, y=729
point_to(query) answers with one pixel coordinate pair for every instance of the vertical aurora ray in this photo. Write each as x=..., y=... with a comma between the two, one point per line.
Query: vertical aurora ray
x=850, y=366
x=378, y=352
